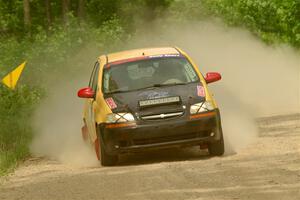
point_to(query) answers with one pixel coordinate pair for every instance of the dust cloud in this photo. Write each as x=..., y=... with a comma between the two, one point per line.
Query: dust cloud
x=58, y=120
x=58, y=123
x=258, y=80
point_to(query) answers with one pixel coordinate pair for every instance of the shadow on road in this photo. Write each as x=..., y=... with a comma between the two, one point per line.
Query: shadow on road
x=165, y=155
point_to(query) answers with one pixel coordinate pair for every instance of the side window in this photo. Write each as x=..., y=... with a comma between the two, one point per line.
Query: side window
x=94, y=77
x=190, y=72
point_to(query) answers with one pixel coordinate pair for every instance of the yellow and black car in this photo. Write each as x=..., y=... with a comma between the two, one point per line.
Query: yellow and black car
x=147, y=99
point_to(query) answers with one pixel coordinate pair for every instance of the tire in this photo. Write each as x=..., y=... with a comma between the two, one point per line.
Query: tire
x=106, y=159
x=216, y=148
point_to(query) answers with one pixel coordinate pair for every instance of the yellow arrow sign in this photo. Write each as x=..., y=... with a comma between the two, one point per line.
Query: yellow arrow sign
x=11, y=79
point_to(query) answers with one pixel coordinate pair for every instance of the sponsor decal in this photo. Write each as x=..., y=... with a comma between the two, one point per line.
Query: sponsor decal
x=115, y=63
x=200, y=91
x=111, y=103
x=165, y=55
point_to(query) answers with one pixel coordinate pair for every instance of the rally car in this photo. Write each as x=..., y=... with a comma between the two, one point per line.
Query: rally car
x=147, y=99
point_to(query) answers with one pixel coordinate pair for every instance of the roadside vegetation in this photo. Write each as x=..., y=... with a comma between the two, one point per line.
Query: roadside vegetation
x=275, y=21
x=48, y=33
x=15, y=113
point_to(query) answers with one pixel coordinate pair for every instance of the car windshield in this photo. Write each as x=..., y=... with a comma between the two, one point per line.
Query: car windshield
x=147, y=73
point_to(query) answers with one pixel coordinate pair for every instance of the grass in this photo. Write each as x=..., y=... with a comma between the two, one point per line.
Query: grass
x=16, y=108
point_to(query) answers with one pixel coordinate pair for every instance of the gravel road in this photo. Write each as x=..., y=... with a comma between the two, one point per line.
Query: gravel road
x=266, y=169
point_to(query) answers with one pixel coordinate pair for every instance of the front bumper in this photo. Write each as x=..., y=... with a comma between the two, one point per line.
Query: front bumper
x=163, y=134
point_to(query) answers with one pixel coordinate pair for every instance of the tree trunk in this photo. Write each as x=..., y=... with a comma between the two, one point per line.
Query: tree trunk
x=81, y=10
x=65, y=10
x=27, y=19
x=48, y=13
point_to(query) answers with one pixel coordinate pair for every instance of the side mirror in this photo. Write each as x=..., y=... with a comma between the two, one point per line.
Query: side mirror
x=212, y=77
x=86, y=93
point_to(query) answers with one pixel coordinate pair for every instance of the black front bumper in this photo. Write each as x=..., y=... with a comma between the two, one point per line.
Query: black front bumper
x=161, y=134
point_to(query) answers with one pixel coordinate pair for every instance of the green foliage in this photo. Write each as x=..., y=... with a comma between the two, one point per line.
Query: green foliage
x=96, y=13
x=48, y=55
x=272, y=20
x=11, y=13
x=101, y=11
x=16, y=108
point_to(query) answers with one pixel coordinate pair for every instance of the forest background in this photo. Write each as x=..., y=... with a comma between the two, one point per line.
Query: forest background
x=48, y=33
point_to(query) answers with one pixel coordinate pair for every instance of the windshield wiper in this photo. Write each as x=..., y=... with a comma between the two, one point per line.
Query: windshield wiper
x=147, y=87
x=162, y=85
x=116, y=91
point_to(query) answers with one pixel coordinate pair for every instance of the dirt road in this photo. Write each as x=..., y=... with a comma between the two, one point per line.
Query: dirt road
x=267, y=169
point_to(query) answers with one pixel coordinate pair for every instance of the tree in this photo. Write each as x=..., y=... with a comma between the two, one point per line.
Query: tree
x=81, y=10
x=27, y=18
x=65, y=11
x=48, y=13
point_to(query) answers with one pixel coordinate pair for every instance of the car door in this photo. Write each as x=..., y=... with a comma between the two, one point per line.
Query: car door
x=90, y=119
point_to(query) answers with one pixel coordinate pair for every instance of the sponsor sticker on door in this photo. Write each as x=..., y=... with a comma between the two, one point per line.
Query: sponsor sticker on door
x=200, y=91
x=111, y=103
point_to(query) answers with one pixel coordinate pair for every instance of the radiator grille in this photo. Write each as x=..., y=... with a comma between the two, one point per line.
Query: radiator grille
x=162, y=116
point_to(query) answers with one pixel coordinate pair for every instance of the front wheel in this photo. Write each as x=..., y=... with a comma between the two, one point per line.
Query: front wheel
x=103, y=157
x=216, y=148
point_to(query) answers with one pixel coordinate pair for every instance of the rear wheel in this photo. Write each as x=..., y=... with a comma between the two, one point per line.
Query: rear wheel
x=84, y=133
x=97, y=149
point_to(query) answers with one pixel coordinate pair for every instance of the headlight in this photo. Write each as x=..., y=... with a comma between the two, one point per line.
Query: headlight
x=201, y=107
x=119, y=117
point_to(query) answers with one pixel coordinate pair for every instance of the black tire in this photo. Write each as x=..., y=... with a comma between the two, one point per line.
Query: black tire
x=216, y=148
x=106, y=159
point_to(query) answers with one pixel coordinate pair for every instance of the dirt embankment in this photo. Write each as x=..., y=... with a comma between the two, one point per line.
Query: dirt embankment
x=267, y=169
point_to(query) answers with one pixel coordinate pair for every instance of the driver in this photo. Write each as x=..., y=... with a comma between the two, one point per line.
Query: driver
x=164, y=75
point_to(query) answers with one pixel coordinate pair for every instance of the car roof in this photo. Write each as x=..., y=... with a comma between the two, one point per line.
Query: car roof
x=113, y=57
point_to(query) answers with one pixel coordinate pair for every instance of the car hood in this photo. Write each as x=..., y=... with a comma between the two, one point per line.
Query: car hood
x=129, y=101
